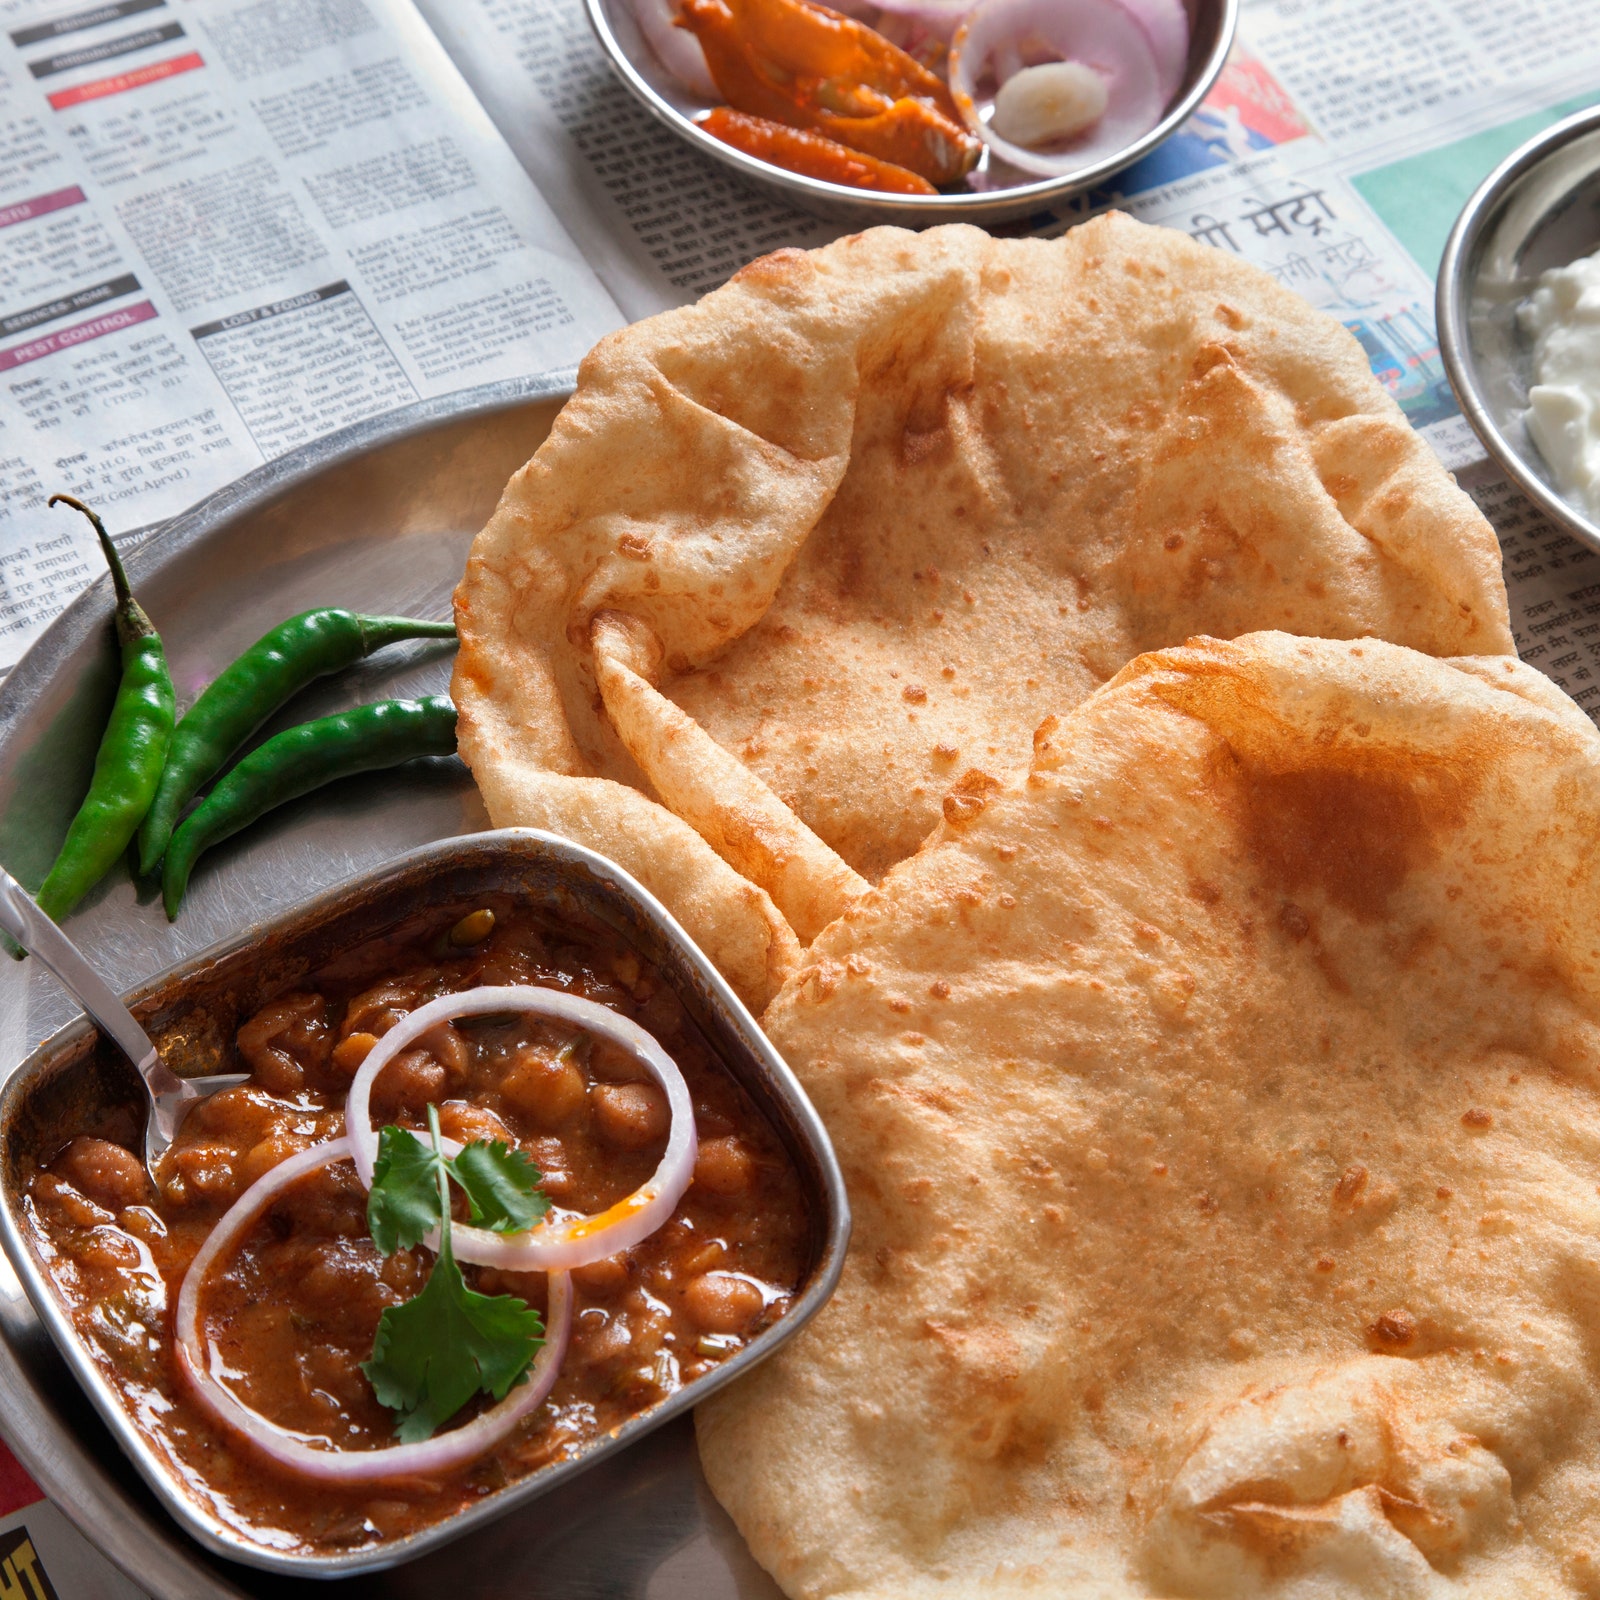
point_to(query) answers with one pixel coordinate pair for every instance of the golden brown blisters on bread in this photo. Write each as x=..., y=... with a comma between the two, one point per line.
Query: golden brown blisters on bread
x=1218, y=1100
x=884, y=505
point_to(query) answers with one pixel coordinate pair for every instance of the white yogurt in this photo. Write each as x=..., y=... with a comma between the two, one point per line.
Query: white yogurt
x=1563, y=317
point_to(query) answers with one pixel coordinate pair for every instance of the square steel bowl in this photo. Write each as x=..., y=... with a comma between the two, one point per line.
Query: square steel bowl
x=194, y=1010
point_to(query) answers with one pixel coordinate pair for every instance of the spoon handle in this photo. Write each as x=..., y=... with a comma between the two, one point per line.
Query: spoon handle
x=37, y=934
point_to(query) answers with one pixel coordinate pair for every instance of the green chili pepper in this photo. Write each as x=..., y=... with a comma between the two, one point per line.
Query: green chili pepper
x=132, y=749
x=242, y=697
x=299, y=760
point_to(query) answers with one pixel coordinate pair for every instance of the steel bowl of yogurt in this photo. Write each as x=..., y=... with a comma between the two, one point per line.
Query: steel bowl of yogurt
x=1519, y=320
x=1562, y=317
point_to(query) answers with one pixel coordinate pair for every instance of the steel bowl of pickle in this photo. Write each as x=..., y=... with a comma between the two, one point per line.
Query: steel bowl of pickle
x=920, y=111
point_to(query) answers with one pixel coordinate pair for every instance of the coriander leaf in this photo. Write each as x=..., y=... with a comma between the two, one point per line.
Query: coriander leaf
x=403, y=1205
x=432, y=1354
x=501, y=1185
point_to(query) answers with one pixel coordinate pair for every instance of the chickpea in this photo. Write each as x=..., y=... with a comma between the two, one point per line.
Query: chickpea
x=630, y=1116
x=309, y=1037
x=443, y=1043
x=724, y=1167
x=319, y=1283
x=604, y=1278
x=328, y=1202
x=285, y=1038
x=528, y=1287
x=105, y=1172
x=603, y=1338
x=105, y=1249
x=505, y=964
x=143, y=1223
x=449, y=1049
x=332, y=1371
x=663, y=1013
x=208, y=1171
x=722, y=1303
x=408, y=1083
x=265, y=1154
x=376, y=1010
x=649, y=1319
x=612, y=1064
x=351, y=1051
x=556, y=1183
x=335, y=1278
x=276, y=1070
x=240, y=1116
x=405, y=1271
x=549, y=1090
x=548, y=1152
x=463, y=1122
x=698, y=1260
x=75, y=1210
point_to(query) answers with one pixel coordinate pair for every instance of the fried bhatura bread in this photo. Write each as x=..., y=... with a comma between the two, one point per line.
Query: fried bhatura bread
x=733, y=921
x=1219, y=1105
x=795, y=558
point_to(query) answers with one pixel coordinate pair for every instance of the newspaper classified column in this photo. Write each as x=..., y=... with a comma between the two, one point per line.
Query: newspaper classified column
x=231, y=227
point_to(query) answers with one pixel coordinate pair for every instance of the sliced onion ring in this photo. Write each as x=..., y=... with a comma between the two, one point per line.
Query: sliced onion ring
x=1166, y=25
x=1102, y=34
x=676, y=48
x=443, y=1453
x=555, y=1245
x=938, y=16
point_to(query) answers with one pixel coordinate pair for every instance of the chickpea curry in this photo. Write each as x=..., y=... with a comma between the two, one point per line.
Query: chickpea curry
x=283, y=1250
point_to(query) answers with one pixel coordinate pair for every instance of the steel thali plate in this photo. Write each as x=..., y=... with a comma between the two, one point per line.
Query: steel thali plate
x=379, y=518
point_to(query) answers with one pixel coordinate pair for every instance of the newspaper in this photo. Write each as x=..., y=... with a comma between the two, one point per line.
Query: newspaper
x=42, y=1556
x=230, y=228
x=660, y=223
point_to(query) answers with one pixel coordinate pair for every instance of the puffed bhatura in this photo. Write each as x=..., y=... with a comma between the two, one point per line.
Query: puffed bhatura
x=797, y=559
x=1219, y=1108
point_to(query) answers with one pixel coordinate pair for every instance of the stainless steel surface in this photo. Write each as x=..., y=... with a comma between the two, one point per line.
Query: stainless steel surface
x=378, y=517
x=1539, y=208
x=45, y=942
x=169, y=1095
x=170, y=1099
x=1212, y=24
x=205, y=997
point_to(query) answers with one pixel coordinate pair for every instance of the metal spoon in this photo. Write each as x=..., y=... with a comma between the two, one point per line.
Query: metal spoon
x=170, y=1095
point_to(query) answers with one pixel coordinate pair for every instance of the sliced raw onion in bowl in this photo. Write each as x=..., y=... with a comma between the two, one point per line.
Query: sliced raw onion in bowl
x=1166, y=25
x=936, y=14
x=555, y=1244
x=923, y=34
x=869, y=11
x=443, y=1453
x=676, y=48
x=1001, y=37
